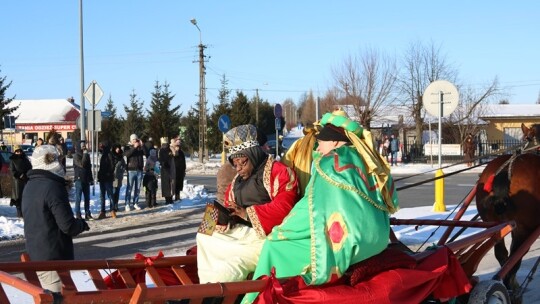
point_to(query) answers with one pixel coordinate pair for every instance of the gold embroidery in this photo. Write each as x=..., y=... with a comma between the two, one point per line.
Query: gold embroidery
x=290, y=184
x=255, y=222
x=312, y=231
x=267, y=175
x=347, y=187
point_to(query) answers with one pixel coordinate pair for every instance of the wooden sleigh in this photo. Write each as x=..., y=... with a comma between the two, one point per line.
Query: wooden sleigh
x=174, y=278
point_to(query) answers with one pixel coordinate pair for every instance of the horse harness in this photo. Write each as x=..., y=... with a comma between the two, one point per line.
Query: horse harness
x=527, y=148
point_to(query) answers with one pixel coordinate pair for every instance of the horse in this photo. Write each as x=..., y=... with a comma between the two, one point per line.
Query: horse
x=509, y=189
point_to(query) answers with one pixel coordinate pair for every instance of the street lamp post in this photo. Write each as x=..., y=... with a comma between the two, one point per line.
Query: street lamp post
x=203, y=150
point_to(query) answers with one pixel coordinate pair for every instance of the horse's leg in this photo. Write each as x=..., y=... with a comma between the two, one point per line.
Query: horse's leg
x=501, y=253
x=518, y=237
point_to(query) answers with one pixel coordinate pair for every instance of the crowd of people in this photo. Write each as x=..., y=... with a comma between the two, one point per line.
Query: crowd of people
x=40, y=188
x=137, y=162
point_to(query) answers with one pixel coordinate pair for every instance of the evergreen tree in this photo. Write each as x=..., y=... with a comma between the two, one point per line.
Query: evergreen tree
x=134, y=122
x=162, y=119
x=112, y=126
x=5, y=108
x=266, y=118
x=240, y=112
x=190, y=137
x=215, y=136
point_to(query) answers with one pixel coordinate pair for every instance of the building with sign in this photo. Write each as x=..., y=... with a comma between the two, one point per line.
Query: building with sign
x=37, y=118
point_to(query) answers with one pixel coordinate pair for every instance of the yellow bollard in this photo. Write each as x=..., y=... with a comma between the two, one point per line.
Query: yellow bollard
x=439, y=193
x=223, y=157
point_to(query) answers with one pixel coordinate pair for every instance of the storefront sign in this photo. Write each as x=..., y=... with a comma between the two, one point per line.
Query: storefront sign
x=46, y=127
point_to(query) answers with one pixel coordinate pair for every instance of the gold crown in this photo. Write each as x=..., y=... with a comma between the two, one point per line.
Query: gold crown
x=240, y=138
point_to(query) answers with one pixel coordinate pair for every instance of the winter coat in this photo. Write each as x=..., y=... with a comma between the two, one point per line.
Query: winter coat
x=135, y=158
x=19, y=166
x=81, y=165
x=225, y=176
x=468, y=149
x=168, y=170
x=394, y=145
x=106, y=169
x=119, y=165
x=150, y=182
x=180, y=165
x=49, y=224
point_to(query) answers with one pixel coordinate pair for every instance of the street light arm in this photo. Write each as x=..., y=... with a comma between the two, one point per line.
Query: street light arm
x=194, y=22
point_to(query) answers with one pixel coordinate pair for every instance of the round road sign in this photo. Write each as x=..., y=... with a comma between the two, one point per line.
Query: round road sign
x=437, y=92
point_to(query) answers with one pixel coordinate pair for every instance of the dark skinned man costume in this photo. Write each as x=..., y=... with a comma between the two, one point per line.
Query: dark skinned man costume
x=231, y=251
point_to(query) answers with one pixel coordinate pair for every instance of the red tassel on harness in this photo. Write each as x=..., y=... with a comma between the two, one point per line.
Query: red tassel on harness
x=488, y=185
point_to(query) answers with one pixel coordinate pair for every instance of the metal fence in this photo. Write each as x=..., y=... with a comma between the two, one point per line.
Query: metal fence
x=488, y=150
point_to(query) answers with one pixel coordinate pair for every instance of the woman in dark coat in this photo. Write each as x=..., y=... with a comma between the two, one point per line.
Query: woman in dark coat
x=49, y=224
x=168, y=170
x=180, y=163
x=19, y=166
x=119, y=165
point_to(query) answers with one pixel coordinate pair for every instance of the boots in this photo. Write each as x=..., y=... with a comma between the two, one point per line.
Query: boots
x=154, y=199
x=148, y=198
x=101, y=215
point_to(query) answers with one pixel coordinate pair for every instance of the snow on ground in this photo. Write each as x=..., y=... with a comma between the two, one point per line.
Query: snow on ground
x=195, y=196
x=192, y=196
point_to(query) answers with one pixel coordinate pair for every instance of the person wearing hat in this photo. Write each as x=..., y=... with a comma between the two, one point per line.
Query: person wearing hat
x=227, y=172
x=343, y=217
x=19, y=165
x=49, y=225
x=134, y=154
x=180, y=164
x=168, y=170
x=259, y=197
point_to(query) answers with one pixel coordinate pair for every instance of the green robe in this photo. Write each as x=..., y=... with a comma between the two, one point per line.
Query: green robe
x=341, y=220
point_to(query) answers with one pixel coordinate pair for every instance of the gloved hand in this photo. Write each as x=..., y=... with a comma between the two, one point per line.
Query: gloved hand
x=85, y=226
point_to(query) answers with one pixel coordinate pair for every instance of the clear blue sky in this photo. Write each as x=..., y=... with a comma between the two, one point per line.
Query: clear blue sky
x=282, y=48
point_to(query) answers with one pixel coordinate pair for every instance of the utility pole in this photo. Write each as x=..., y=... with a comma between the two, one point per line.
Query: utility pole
x=83, y=111
x=257, y=108
x=203, y=149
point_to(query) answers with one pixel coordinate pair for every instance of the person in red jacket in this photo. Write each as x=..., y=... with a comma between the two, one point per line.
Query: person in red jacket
x=259, y=197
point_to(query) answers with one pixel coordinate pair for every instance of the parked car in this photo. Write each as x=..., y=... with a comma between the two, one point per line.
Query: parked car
x=272, y=145
x=27, y=149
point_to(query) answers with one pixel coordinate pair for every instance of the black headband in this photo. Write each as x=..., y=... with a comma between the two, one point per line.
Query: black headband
x=331, y=133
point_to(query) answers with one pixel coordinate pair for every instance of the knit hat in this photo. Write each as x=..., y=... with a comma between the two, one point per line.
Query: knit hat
x=45, y=157
x=241, y=138
x=133, y=137
x=16, y=147
x=164, y=140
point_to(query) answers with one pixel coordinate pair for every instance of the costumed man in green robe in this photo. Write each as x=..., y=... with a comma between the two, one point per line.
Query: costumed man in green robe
x=343, y=217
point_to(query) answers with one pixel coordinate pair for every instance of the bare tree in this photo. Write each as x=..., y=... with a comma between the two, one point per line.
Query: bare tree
x=366, y=82
x=290, y=113
x=472, y=105
x=422, y=64
x=307, y=109
x=330, y=101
